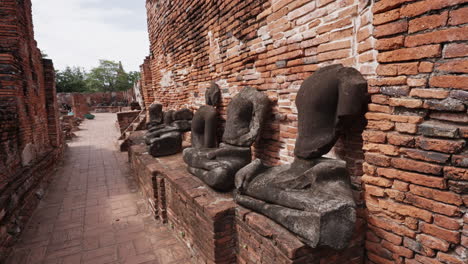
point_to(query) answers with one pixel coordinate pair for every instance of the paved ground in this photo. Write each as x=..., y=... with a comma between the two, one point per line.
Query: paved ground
x=93, y=212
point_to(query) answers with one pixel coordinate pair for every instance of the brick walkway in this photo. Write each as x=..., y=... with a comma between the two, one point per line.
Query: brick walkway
x=93, y=212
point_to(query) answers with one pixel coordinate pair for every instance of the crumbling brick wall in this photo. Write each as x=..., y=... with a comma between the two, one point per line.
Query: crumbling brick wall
x=272, y=45
x=412, y=53
x=416, y=179
x=30, y=140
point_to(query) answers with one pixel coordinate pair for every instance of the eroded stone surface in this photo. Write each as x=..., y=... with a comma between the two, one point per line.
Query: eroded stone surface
x=312, y=196
x=164, y=136
x=217, y=166
x=205, y=120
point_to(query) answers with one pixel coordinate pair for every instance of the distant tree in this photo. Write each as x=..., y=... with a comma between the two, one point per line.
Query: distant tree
x=71, y=80
x=109, y=76
x=134, y=76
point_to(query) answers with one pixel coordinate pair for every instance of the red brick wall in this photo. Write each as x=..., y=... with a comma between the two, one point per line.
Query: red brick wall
x=416, y=178
x=146, y=83
x=270, y=45
x=30, y=137
x=411, y=52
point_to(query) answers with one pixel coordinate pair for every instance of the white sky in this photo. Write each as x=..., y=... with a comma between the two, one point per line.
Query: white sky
x=80, y=32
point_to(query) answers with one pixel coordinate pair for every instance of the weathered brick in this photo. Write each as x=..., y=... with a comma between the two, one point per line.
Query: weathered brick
x=392, y=238
x=376, y=159
x=390, y=44
x=388, y=16
x=380, y=125
x=442, y=196
x=427, y=51
x=456, y=50
x=449, y=81
x=447, y=222
x=448, y=104
x=425, y=67
x=454, y=173
x=428, y=22
x=458, y=16
x=381, y=148
x=454, y=66
x=460, y=95
x=446, y=146
x=425, y=155
x=386, y=5
x=390, y=29
x=379, y=181
x=431, y=205
x=395, y=90
x=409, y=103
x=414, y=9
x=429, y=93
x=452, y=259
x=374, y=191
x=437, y=129
x=378, y=260
x=391, y=226
x=380, y=108
x=406, y=210
x=460, y=160
x=412, y=177
x=400, y=251
x=400, y=140
x=334, y=46
x=406, y=128
x=411, y=165
x=413, y=244
x=447, y=235
x=433, y=242
x=416, y=82
x=401, y=186
x=453, y=117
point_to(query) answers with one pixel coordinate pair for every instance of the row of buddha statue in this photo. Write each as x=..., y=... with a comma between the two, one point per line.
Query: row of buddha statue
x=311, y=197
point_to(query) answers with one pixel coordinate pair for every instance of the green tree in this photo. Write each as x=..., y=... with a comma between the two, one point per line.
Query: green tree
x=109, y=76
x=71, y=80
x=134, y=76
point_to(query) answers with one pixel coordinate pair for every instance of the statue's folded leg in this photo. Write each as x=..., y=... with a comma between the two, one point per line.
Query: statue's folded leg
x=167, y=144
x=219, y=178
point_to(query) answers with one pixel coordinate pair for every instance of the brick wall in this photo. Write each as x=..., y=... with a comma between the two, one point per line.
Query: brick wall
x=30, y=140
x=412, y=53
x=124, y=119
x=416, y=179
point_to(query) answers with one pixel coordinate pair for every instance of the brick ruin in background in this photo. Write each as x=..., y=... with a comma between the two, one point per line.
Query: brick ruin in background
x=31, y=142
x=83, y=103
x=408, y=167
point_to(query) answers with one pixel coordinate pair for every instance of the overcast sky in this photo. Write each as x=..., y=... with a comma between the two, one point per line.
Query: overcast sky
x=80, y=32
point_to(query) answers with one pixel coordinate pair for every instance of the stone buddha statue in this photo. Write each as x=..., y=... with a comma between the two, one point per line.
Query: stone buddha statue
x=164, y=136
x=205, y=120
x=217, y=166
x=312, y=196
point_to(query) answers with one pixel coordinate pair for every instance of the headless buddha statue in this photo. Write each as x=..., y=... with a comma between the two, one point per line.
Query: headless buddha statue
x=164, y=136
x=312, y=196
x=217, y=166
x=205, y=120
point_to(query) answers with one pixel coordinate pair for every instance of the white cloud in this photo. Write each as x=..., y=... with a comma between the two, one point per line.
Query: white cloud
x=80, y=32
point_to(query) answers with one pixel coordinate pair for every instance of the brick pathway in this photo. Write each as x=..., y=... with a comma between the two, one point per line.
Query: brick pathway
x=93, y=212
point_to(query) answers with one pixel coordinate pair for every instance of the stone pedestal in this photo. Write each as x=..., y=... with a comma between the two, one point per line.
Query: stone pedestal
x=261, y=240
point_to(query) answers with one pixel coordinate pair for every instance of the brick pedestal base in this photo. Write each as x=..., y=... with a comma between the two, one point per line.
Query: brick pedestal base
x=261, y=240
x=218, y=230
x=203, y=218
